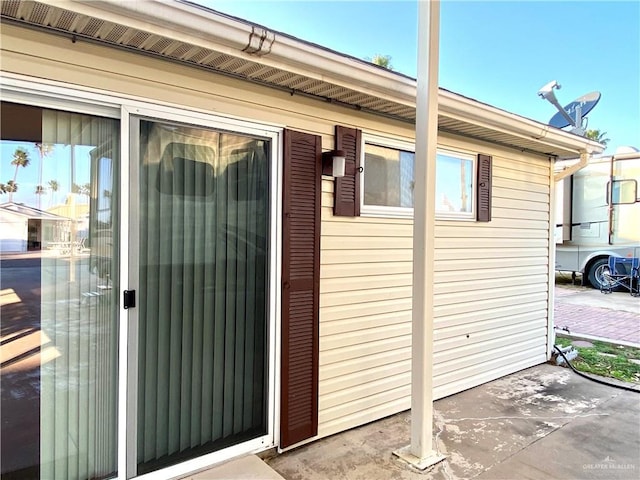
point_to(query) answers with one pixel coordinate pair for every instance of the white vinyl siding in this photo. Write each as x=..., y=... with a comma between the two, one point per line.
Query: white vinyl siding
x=491, y=278
x=42, y=55
x=359, y=292
x=490, y=296
x=365, y=317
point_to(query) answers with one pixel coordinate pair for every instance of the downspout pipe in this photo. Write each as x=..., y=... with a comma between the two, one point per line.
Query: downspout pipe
x=610, y=201
x=584, y=160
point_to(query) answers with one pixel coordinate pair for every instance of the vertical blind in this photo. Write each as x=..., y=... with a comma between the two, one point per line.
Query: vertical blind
x=202, y=292
x=78, y=384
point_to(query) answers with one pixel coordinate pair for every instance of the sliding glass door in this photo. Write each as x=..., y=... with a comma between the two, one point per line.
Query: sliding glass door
x=200, y=263
x=198, y=252
x=59, y=266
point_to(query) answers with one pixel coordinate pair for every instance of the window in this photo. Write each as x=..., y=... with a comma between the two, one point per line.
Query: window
x=388, y=181
x=455, y=173
x=624, y=192
x=388, y=178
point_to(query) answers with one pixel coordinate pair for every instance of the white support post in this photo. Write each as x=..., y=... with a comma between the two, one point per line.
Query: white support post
x=421, y=453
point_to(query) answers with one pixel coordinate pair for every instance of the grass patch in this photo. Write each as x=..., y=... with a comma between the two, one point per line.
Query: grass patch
x=563, y=342
x=627, y=352
x=615, y=362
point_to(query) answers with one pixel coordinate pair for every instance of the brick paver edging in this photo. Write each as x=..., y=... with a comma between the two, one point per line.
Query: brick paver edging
x=599, y=322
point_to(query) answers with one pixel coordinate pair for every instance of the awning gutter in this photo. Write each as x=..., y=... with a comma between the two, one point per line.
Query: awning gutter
x=196, y=25
x=471, y=111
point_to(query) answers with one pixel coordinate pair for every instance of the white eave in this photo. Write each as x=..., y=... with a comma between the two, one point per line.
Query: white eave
x=184, y=32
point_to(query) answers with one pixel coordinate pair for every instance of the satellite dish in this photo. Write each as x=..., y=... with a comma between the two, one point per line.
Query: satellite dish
x=585, y=103
x=572, y=114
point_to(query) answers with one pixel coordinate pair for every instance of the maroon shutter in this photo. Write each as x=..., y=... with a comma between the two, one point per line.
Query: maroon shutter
x=484, y=188
x=300, y=286
x=346, y=201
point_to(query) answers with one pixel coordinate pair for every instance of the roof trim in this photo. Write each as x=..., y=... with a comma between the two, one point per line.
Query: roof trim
x=199, y=25
x=472, y=111
x=318, y=71
x=26, y=211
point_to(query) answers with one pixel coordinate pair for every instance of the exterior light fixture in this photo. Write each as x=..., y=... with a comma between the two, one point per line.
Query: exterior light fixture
x=333, y=163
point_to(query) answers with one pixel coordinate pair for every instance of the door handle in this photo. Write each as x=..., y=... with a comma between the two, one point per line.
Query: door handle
x=129, y=299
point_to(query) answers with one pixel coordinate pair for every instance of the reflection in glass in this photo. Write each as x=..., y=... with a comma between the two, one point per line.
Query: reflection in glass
x=454, y=184
x=388, y=180
x=203, y=292
x=624, y=192
x=59, y=328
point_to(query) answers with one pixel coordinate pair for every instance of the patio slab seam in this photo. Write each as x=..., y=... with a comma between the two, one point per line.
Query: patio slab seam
x=569, y=418
x=538, y=439
x=446, y=465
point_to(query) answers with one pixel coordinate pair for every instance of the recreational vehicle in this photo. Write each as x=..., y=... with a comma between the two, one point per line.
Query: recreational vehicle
x=598, y=215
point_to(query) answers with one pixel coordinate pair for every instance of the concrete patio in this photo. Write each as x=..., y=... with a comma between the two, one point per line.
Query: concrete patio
x=544, y=422
x=541, y=423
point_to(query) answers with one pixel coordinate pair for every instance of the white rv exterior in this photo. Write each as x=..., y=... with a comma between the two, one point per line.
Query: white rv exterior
x=595, y=221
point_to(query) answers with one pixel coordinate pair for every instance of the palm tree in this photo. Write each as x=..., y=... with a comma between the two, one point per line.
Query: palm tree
x=10, y=187
x=20, y=159
x=44, y=150
x=54, y=186
x=107, y=195
x=84, y=190
x=597, y=135
x=383, y=61
x=40, y=191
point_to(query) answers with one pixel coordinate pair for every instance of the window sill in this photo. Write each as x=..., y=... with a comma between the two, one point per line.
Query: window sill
x=386, y=212
x=391, y=212
x=455, y=218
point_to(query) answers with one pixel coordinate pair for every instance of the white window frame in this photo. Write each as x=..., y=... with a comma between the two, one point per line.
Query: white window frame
x=406, y=212
x=379, y=210
x=221, y=123
x=462, y=155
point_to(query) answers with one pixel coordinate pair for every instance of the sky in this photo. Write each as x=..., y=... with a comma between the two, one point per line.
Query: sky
x=55, y=166
x=499, y=52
